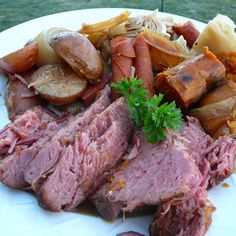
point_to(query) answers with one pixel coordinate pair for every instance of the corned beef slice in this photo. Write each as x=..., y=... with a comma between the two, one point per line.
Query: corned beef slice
x=188, y=217
x=45, y=160
x=12, y=168
x=23, y=131
x=192, y=216
x=13, y=165
x=214, y=158
x=159, y=172
x=83, y=167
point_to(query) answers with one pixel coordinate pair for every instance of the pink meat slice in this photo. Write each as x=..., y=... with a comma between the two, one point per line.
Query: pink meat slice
x=25, y=130
x=46, y=148
x=160, y=172
x=191, y=216
x=96, y=150
x=152, y=176
x=43, y=163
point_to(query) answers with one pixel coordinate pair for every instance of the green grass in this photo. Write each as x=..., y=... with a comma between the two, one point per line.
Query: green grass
x=18, y=11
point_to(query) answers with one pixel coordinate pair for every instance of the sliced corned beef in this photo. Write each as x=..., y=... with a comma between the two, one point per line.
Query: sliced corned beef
x=84, y=166
x=132, y=186
x=45, y=160
x=188, y=217
x=221, y=157
x=214, y=158
x=12, y=168
x=160, y=172
x=23, y=131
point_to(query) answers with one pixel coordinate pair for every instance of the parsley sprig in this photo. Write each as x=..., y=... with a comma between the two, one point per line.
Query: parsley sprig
x=150, y=113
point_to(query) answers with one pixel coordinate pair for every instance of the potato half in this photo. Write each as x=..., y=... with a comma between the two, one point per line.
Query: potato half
x=79, y=53
x=58, y=83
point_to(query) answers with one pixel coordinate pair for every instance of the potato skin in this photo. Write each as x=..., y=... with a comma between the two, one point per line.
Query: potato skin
x=58, y=83
x=79, y=53
x=21, y=60
x=16, y=104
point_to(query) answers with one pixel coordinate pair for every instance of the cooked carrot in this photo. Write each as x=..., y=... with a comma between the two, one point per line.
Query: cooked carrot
x=122, y=54
x=143, y=64
x=189, y=32
x=209, y=54
x=91, y=92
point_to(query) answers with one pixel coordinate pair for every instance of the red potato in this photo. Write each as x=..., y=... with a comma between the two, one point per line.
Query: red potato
x=79, y=53
x=21, y=60
x=143, y=64
x=58, y=83
x=188, y=31
x=19, y=97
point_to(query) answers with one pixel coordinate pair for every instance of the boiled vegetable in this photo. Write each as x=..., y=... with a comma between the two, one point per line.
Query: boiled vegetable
x=226, y=90
x=122, y=54
x=58, y=83
x=79, y=53
x=218, y=35
x=188, y=31
x=98, y=32
x=164, y=53
x=190, y=80
x=21, y=60
x=143, y=64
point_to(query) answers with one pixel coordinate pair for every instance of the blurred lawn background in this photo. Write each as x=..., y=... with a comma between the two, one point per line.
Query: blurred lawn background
x=13, y=12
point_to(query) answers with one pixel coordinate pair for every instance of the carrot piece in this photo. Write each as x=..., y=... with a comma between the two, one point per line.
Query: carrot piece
x=189, y=32
x=122, y=54
x=209, y=54
x=143, y=64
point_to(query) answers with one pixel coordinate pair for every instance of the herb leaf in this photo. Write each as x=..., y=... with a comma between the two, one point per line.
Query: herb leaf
x=155, y=118
x=136, y=96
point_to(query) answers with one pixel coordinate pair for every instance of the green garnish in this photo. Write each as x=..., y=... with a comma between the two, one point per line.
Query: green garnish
x=147, y=112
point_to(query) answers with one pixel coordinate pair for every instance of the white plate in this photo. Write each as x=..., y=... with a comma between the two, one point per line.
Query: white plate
x=19, y=211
